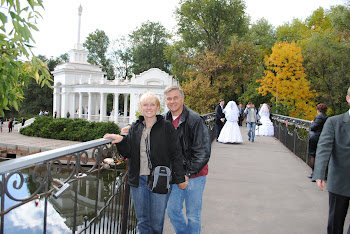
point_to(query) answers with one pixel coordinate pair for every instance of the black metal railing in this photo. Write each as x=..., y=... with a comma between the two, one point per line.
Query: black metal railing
x=90, y=195
x=210, y=122
x=293, y=133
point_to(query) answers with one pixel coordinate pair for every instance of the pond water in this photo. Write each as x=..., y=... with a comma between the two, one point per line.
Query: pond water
x=29, y=218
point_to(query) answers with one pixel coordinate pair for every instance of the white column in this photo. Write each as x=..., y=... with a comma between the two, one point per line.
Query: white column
x=73, y=106
x=102, y=103
x=116, y=106
x=134, y=100
x=96, y=104
x=126, y=105
x=64, y=101
x=80, y=105
x=89, y=106
x=56, y=101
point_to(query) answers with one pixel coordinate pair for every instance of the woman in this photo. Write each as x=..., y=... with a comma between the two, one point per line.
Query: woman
x=266, y=127
x=230, y=133
x=153, y=135
x=315, y=131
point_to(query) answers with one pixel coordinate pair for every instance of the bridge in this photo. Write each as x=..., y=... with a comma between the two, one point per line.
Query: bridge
x=259, y=187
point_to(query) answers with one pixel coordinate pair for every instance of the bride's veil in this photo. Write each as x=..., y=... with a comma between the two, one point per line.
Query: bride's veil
x=231, y=111
x=264, y=110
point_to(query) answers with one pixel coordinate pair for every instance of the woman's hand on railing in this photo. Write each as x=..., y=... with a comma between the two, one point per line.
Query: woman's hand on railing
x=116, y=138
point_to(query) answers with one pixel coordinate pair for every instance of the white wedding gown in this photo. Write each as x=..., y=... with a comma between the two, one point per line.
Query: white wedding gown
x=231, y=133
x=266, y=127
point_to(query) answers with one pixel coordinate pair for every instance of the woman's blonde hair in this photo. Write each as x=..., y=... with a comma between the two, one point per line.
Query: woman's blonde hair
x=149, y=96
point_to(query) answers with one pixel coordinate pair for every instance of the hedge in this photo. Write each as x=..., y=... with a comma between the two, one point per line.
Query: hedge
x=69, y=129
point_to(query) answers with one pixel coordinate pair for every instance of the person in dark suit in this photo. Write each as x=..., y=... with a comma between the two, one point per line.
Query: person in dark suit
x=23, y=121
x=315, y=131
x=241, y=114
x=219, y=117
x=333, y=149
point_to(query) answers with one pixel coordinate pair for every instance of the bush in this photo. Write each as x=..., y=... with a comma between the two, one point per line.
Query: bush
x=69, y=129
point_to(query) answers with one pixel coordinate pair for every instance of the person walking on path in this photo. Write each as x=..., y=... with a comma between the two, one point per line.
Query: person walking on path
x=266, y=128
x=333, y=150
x=23, y=120
x=10, y=125
x=150, y=142
x=315, y=132
x=241, y=114
x=196, y=147
x=1, y=123
x=219, y=117
x=252, y=118
x=230, y=133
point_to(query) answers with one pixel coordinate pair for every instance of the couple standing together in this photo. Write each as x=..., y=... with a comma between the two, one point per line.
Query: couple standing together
x=179, y=140
x=226, y=122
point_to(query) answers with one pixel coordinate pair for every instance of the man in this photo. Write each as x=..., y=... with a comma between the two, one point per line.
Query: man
x=196, y=146
x=333, y=149
x=219, y=117
x=10, y=125
x=23, y=120
x=252, y=119
x=241, y=114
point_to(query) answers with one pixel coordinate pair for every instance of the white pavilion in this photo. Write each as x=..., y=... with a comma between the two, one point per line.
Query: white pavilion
x=81, y=89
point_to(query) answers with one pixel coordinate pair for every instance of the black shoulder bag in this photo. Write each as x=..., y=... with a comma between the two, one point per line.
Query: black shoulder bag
x=159, y=179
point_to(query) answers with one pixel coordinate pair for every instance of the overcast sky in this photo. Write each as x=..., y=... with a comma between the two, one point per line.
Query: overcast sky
x=59, y=26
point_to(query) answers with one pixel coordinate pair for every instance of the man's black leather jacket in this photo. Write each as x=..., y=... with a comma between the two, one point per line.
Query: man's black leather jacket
x=194, y=139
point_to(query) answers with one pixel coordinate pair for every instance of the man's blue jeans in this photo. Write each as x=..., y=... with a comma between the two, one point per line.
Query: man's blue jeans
x=149, y=207
x=192, y=196
x=251, y=130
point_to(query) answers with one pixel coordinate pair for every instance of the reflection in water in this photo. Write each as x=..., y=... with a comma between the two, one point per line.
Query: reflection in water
x=29, y=217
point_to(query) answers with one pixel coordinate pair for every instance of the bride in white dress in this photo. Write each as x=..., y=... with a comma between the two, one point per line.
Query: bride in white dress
x=230, y=133
x=266, y=127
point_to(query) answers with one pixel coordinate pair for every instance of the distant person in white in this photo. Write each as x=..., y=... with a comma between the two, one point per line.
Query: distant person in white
x=230, y=133
x=266, y=127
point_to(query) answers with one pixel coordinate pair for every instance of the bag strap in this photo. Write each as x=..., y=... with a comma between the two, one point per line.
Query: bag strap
x=147, y=141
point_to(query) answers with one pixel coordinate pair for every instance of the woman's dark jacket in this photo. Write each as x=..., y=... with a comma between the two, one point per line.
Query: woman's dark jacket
x=194, y=139
x=315, y=132
x=165, y=149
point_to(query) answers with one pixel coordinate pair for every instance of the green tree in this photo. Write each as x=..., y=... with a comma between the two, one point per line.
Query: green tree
x=319, y=20
x=97, y=44
x=16, y=40
x=147, y=47
x=122, y=59
x=176, y=55
x=210, y=24
x=231, y=69
x=327, y=63
x=340, y=20
x=38, y=98
x=295, y=31
x=262, y=34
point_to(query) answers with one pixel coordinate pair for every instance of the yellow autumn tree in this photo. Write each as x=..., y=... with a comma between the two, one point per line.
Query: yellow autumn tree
x=286, y=81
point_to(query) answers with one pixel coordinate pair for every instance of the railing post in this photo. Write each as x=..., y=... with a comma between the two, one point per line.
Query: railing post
x=2, y=202
x=46, y=196
x=75, y=208
x=285, y=135
x=295, y=134
x=307, y=153
x=125, y=212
